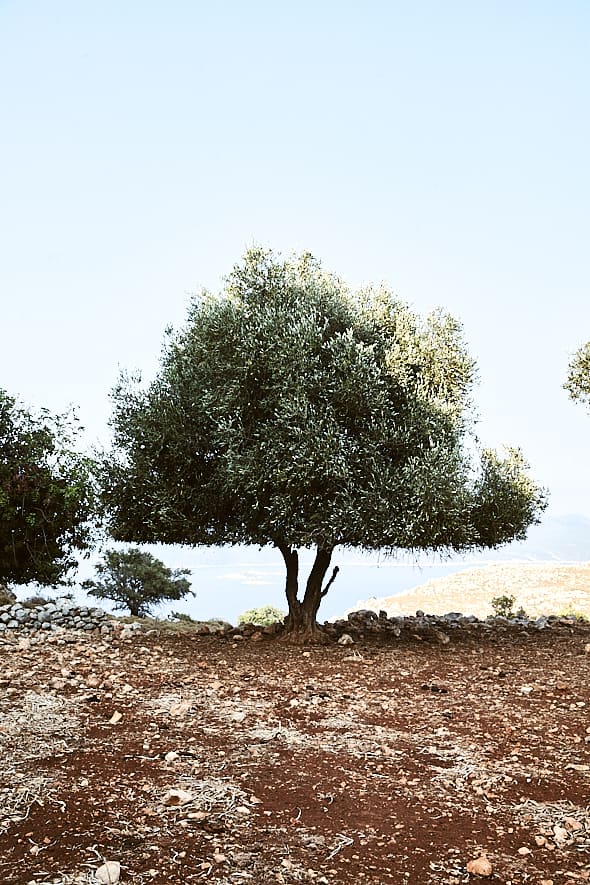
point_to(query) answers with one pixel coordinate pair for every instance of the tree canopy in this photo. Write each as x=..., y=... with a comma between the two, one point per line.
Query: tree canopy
x=136, y=580
x=578, y=378
x=46, y=496
x=290, y=411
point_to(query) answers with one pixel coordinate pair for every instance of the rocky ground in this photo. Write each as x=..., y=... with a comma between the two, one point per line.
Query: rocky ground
x=172, y=757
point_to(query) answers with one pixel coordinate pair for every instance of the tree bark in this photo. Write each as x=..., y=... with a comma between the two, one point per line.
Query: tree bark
x=301, y=620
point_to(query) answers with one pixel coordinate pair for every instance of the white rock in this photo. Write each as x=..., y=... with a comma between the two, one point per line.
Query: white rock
x=108, y=873
x=560, y=834
x=346, y=639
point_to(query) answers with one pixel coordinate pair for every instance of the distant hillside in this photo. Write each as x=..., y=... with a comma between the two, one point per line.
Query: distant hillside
x=540, y=588
x=564, y=538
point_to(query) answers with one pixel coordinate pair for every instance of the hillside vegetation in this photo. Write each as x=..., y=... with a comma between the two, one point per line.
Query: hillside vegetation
x=540, y=588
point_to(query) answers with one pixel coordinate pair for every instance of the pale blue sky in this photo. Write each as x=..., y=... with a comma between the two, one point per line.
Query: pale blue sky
x=442, y=147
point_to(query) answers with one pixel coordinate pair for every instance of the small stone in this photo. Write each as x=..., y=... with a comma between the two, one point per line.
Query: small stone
x=177, y=797
x=524, y=851
x=109, y=873
x=441, y=637
x=171, y=757
x=560, y=834
x=480, y=866
x=180, y=709
x=346, y=639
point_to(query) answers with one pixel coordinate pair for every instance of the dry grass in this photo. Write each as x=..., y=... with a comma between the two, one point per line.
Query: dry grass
x=540, y=588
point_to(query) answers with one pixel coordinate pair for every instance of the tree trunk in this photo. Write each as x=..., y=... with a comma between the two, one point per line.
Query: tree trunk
x=301, y=620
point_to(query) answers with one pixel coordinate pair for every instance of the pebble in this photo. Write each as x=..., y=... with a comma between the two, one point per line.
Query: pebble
x=109, y=873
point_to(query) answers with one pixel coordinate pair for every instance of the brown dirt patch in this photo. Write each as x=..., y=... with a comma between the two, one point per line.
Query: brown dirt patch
x=387, y=764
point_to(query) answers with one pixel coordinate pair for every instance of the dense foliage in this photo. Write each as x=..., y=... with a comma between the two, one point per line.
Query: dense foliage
x=46, y=496
x=578, y=379
x=134, y=579
x=292, y=412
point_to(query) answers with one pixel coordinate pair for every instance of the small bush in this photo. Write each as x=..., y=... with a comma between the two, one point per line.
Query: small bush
x=181, y=616
x=7, y=597
x=571, y=612
x=34, y=601
x=261, y=617
x=503, y=607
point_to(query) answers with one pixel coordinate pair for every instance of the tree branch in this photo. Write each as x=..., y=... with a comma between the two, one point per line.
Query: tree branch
x=331, y=581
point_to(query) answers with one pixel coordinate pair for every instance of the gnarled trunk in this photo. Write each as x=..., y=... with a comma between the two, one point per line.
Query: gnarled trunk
x=301, y=620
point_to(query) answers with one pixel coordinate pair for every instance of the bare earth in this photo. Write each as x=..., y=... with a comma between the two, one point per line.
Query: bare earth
x=208, y=759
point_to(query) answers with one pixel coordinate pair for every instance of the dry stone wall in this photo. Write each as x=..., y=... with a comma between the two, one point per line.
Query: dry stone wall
x=53, y=616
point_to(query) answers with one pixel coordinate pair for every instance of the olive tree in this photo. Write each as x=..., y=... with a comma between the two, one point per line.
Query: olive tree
x=578, y=378
x=292, y=412
x=136, y=580
x=46, y=496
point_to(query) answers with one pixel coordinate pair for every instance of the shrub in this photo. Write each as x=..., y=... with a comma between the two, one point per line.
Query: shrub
x=7, y=597
x=504, y=607
x=571, y=612
x=262, y=617
x=34, y=601
x=181, y=616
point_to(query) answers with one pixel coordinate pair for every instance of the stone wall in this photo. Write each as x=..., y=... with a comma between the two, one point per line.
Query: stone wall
x=60, y=615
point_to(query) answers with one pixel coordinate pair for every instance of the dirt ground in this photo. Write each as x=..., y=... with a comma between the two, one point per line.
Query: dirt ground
x=193, y=759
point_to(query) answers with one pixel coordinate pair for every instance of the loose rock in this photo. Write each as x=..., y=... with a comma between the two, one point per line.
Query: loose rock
x=109, y=873
x=480, y=866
